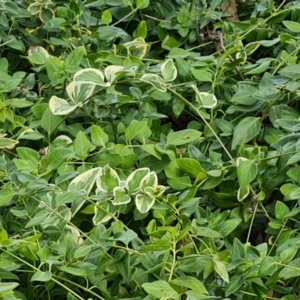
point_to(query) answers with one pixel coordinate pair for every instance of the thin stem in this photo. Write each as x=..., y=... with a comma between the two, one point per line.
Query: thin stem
x=80, y=287
x=125, y=17
x=281, y=229
x=205, y=122
x=173, y=261
x=37, y=270
x=156, y=19
x=71, y=224
x=251, y=223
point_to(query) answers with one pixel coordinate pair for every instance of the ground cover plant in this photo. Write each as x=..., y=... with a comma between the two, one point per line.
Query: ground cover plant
x=149, y=149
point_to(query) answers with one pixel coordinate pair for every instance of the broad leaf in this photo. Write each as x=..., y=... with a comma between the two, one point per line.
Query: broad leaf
x=160, y=289
x=168, y=70
x=246, y=130
x=183, y=137
x=144, y=202
x=107, y=180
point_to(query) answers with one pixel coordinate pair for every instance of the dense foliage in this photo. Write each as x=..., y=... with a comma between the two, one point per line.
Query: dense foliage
x=149, y=150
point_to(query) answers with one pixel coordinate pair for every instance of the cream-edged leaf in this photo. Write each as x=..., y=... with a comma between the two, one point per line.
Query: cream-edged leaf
x=205, y=100
x=155, y=80
x=107, y=180
x=144, y=202
x=134, y=179
x=91, y=75
x=168, y=70
x=120, y=196
x=111, y=72
x=59, y=106
x=85, y=181
x=80, y=91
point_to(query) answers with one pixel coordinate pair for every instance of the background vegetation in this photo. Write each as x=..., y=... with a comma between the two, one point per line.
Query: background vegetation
x=149, y=149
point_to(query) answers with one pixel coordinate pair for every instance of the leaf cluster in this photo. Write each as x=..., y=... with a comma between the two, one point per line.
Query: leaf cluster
x=149, y=150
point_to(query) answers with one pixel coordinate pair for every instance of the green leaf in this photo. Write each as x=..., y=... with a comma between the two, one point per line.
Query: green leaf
x=291, y=71
x=41, y=276
x=220, y=268
x=246, y=172
x=55, y=70
x=50, y=122
x=74, y=59
x=190, y=283
x=235, y=283
x=55, y=158
x=74, y=271
x=291, y=270
x=159, y=245
x=7, y=286
x=82, y=145
x=226, y=227
x=292, y=26
x=183, y=137
x=66, y=197
x=141, y=30
x=202, y=75
x=267, y=267
x=293, y=194
x=160, y=289
x=106, y=17
x=190, y=166
x=83, y=251
x=208, y=232
x=6, y=195
x=150, y=148
x=141, y=3
x=245, y=96
x=180, y=183
x=247, y=129
x=168, y=70
x=137, y=128
x=8, y=275
x=98, y=136
x=37, y=219
x=294, y=159
x=281, y=210
x=123, y=265
x=288, y=254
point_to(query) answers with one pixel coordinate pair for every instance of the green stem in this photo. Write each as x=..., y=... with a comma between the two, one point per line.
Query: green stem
x=71, y=224
x=37, y=270
x=80, y=287
x=251, y=223
x=173, y=261
x=205, y=122
x=125, y=17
